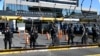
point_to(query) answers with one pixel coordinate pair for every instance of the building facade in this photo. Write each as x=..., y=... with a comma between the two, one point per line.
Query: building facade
x=46, y=8
x=43, y=10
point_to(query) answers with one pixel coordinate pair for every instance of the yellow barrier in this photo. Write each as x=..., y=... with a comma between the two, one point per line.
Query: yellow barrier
x=51, y=19
x=10, y=17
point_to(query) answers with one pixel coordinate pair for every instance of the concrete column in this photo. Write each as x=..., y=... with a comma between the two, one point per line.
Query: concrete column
x=4, y=5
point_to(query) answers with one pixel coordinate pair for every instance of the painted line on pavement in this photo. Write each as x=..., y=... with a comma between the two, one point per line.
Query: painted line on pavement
x=18, y=52
x=72, y=48
x=45, y=50
x=93, y=55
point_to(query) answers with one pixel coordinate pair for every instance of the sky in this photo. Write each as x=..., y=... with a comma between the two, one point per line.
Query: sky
x=1, y=4
x=86, y=4
x=95, y=4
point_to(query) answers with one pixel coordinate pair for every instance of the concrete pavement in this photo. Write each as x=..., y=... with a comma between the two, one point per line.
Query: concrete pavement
x=62, y=50
x=19, y=42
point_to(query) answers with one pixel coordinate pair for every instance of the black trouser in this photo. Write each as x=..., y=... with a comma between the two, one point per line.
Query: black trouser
x=55, y=40
x=64, y=31
x=70, y=38
x=32, y=42
x=9, y=41
x=94, y=39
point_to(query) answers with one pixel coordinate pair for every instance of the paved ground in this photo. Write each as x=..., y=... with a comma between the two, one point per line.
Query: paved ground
x=41, y=41
x=61, y=52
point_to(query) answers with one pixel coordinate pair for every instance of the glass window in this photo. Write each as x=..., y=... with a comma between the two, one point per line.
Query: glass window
x=15, y=7
x=78, y=11
x=8, y=7
x=58, y=1
x=33, y=0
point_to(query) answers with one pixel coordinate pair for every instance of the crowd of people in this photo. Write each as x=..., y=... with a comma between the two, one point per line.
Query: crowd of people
x=29, y=37
x=32, y=35
x=71, y=30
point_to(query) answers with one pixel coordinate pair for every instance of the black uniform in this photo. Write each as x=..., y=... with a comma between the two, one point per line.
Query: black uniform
x=65, y=28
x=53, y=31
x=94, y=34
x=33, y=37
x=70, y=34
x=8, y=38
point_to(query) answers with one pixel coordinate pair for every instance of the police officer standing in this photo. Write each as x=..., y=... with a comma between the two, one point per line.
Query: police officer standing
x=54, y=31
x=33, y=37
x=70, y=34
x=94, y=34
x=8, y=37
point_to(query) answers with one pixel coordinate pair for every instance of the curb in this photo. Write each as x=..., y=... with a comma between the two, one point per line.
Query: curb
x=43, y=50
x=69, y=46
x=52, y=47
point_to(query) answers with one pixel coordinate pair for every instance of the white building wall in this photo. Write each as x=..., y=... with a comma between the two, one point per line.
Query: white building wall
x=46, y=4
x=41, y=3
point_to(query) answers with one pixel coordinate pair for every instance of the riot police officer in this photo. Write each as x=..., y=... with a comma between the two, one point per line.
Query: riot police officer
x=70, y=34
x=33, y=37
x=54, y=31
x=8, y=37
x=94, y=34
